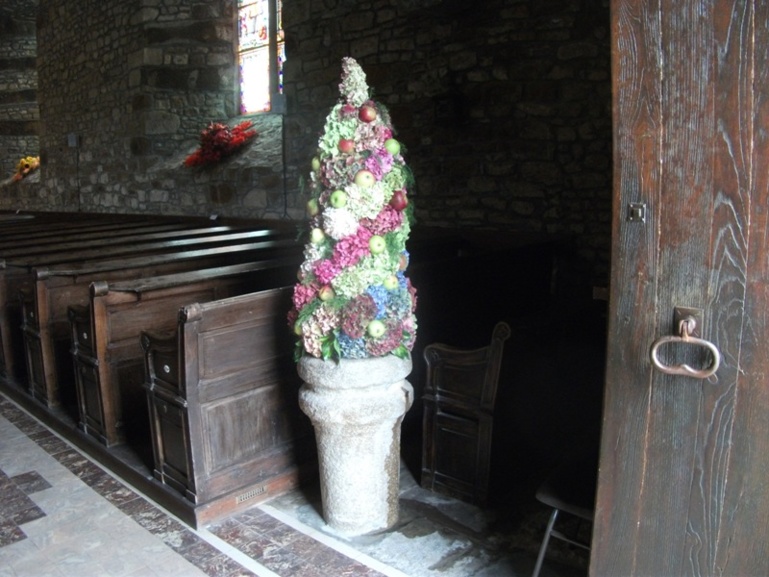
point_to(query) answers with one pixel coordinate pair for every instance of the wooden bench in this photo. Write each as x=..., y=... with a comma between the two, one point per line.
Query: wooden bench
x=106, y=236
x=132, y=244
x=51, y=237
x=223, y=399
x=45, y=326
x=47, y=224
x=108, y=358
x=14, y=269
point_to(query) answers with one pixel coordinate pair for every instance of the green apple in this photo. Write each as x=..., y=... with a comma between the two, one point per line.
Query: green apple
x=326, y=293
x=391, y=283
x=338, y=198
x=315, y=164
x=365, y=178
x=317, y=235
x=298, y=329
x=312, y=207
x=392, y=146
x=376, y=244
x=376, y=329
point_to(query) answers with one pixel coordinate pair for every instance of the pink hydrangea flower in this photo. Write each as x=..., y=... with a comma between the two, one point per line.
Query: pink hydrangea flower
x=386, y=221
x=325, y=270
x=304, y=294
x=351, y=249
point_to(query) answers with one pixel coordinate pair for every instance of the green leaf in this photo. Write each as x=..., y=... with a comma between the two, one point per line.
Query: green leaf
x=401, y=352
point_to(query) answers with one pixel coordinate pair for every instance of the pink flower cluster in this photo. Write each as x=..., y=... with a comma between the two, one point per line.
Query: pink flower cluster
x=379, y=163
x=386, y=221
x=347, y=252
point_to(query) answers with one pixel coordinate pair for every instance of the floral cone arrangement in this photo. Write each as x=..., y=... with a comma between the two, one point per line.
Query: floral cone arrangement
x=353, y=299
x=25, y=166
x=218, y=141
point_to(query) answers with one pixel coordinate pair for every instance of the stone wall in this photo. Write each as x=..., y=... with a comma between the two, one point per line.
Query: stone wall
x=503, y=108
x=19, y=112
x=125, y=90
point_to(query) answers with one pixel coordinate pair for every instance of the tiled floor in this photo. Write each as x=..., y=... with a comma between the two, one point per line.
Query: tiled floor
x=61, y=515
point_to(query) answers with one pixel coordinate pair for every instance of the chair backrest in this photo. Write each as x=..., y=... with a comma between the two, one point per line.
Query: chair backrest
x=460, y=391
x=467, y=378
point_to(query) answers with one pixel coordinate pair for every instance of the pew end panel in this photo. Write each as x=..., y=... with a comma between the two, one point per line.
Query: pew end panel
x=93, y=408
x=169, y=425
x=235, y=404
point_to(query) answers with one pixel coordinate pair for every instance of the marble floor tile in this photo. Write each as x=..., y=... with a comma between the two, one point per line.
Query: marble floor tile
x=63, y=515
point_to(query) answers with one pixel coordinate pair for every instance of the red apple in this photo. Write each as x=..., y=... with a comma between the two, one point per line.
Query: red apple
x=367, y=113
x=346, y=145
x=399, y=200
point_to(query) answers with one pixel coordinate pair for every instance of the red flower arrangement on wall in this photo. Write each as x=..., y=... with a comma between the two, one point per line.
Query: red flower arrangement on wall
x=218, y=141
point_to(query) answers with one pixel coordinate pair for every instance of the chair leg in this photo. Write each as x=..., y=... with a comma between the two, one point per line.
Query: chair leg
x=545, y=540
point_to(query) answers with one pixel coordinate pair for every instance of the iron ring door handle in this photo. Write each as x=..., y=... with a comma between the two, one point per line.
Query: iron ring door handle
x=685, y=328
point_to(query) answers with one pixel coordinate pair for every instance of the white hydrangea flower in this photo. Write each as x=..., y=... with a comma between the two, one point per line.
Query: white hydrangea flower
x=313, y=252
x=365, y=202
x=353, y=86
x=371, y=270
x=339, y=223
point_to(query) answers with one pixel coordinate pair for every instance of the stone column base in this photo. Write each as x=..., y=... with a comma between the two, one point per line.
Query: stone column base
x=356, y=407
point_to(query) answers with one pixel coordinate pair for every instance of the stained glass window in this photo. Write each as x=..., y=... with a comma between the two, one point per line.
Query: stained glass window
x=261, y=54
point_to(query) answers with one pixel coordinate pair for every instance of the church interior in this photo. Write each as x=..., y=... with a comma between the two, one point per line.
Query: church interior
x=149, y=422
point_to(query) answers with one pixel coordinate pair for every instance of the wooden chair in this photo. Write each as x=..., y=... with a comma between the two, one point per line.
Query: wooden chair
x=569, y=488
x=460, y=390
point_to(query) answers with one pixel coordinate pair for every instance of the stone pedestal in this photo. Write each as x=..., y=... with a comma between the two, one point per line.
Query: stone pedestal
x=356, y=407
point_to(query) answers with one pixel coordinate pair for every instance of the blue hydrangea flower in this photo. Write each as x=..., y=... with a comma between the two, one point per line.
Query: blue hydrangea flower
x=351, y=348
x=380, y=296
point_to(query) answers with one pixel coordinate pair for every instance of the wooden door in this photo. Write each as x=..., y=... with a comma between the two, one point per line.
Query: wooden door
x=684, y=472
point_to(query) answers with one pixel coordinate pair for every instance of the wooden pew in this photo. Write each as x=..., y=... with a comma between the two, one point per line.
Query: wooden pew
x=50, y=234
x=108, y=358
x=133, y=244
x=146, y=240
x=15, y=275
x=53, y=239
x=45, y=326
x=226, y=425
x=75, y=239
x=43, y=224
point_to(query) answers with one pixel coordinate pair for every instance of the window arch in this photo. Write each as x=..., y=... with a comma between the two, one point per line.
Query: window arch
x=261, y=54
